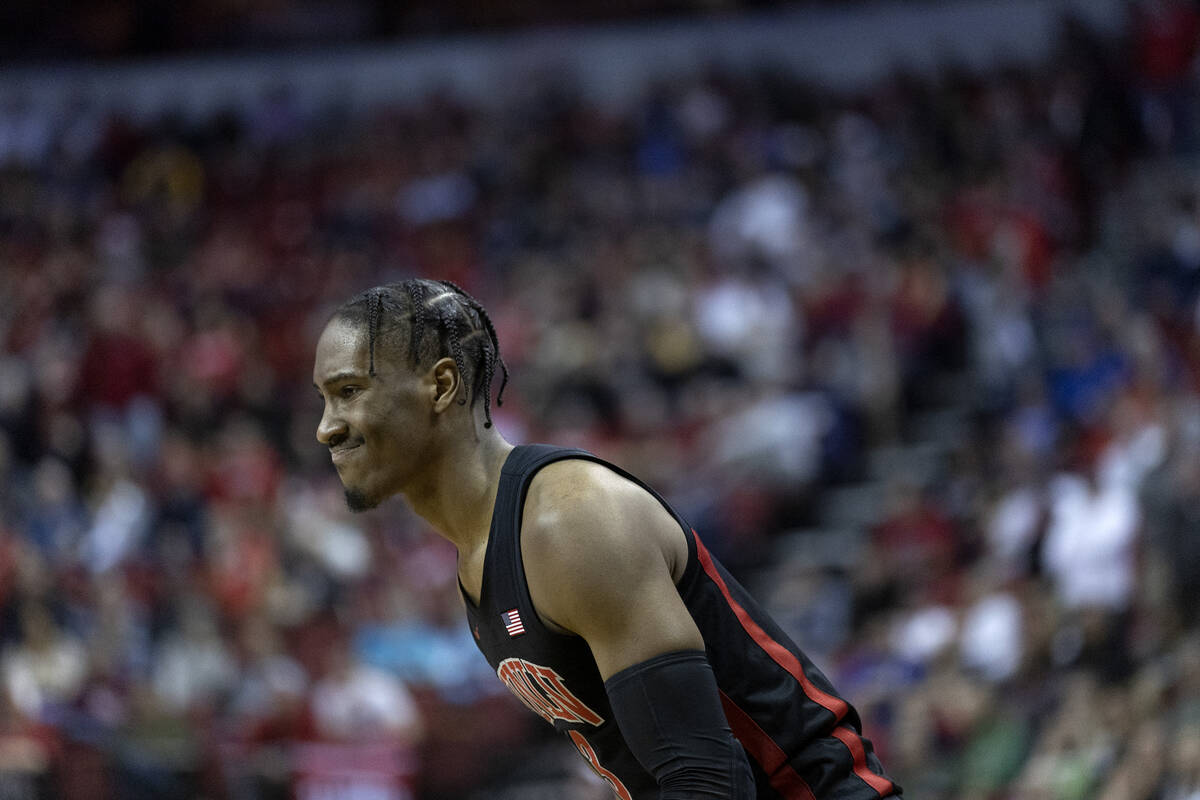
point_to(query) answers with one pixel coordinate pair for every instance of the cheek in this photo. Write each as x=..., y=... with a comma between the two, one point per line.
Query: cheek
x=388, y=438
x=393, y=430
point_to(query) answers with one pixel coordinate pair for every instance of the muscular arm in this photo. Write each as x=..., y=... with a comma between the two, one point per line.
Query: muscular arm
x=599, y=554
x=601, y=558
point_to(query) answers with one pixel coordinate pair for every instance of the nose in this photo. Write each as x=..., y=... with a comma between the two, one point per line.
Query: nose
x=331, y=429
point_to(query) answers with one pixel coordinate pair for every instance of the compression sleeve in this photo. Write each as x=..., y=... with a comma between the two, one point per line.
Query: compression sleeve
x=670, y=715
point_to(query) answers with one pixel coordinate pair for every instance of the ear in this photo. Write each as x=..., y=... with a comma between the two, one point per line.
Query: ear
x=447, y=385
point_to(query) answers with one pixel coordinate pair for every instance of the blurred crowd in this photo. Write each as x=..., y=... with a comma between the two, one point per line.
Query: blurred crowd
x=966, y=302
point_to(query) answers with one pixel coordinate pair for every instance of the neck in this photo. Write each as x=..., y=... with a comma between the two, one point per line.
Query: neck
x=460, y=487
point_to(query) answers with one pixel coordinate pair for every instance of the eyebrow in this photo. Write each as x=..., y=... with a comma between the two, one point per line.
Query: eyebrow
x=340, y=376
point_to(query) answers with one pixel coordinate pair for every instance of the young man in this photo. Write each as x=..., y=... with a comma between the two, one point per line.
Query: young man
x=595, y=603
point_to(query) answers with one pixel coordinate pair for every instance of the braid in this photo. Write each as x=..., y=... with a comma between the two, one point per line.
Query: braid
x=489, y=367
x=493, y=356
x=374, y=308
x=383, y=310
x=490, y=356
x=416, y=294
x=453, y=327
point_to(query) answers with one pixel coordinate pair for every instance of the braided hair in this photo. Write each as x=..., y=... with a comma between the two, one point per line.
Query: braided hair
x=438, y=318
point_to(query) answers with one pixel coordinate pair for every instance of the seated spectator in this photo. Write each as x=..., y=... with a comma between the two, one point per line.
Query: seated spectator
x=353, y=702
x=48, y=667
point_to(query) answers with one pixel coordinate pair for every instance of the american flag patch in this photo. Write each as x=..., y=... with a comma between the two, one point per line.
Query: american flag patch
x=512, y=622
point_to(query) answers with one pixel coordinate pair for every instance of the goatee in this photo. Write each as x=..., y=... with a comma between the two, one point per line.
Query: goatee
x=357, y=502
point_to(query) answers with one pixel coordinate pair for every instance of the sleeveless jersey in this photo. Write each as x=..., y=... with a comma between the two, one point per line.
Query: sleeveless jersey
x=802, y=739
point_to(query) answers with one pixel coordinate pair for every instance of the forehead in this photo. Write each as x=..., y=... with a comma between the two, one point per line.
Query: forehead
x=343, y=347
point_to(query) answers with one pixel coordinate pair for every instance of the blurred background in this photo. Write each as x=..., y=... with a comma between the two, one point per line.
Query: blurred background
x=896, y=302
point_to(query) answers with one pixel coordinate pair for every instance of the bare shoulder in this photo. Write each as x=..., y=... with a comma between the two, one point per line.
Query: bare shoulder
x=584, y=526
x=575, y=489
x=575, y=496
x=602, y=559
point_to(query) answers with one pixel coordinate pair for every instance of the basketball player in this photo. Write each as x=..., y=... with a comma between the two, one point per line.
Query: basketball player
x=595, y=603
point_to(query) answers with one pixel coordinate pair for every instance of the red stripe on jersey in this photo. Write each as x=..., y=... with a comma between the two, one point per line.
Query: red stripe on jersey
x=762, y=748
x=778, y=653
x=788, y=660
x=854, y=744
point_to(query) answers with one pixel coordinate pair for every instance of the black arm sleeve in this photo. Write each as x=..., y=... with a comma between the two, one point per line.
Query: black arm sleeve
x=670, y=714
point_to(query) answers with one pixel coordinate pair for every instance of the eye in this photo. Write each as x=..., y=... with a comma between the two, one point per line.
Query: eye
x=348, y=391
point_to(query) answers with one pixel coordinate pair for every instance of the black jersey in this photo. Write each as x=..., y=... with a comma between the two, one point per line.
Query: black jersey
x=803, y=740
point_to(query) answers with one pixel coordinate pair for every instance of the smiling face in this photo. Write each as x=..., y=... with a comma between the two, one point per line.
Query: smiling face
x=377, y=427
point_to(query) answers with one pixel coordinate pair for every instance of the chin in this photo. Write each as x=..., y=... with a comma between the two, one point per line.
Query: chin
x=358, y=501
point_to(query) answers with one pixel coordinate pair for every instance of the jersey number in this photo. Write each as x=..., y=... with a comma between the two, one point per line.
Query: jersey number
x=587, y=752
